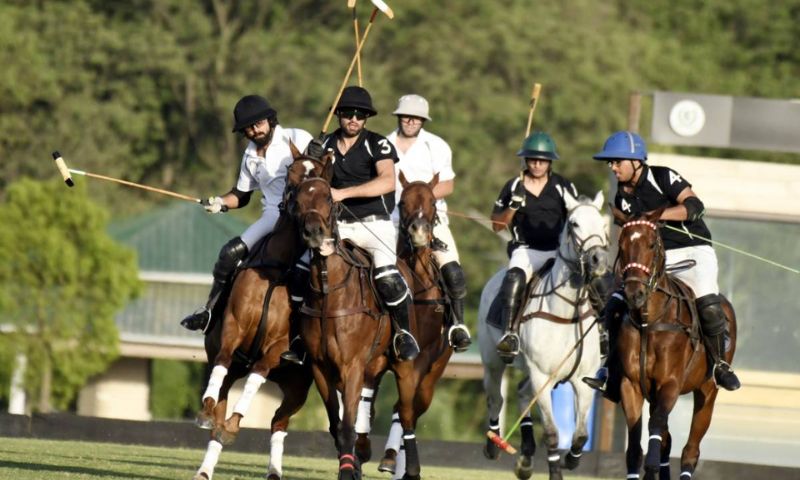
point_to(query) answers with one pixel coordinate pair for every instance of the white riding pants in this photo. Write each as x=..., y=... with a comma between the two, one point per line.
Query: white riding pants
x=529, y=260
x=264, y=225
x=702, y=278
x=378, y=237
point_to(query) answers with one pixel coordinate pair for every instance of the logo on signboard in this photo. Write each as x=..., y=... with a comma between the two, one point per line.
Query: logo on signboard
x=687, y=118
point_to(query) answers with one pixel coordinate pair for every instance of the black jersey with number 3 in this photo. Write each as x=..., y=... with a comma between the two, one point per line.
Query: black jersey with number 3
x=356, y=167
x=538, y=222
x=659, y=187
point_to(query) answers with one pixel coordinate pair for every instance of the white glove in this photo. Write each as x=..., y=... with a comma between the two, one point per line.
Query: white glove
x=214, y=204
x=517, y=197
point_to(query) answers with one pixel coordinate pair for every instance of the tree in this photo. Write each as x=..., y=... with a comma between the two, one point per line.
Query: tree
x=62, y=279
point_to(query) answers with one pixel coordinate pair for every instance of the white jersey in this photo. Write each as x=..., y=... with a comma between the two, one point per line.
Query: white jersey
x=269, y=172
x=428, y=155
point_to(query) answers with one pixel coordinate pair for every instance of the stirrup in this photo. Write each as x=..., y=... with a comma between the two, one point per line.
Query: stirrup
x=464, y=344
x=508, y=347
x=598, y=382
x=403, y=348
x=727, y=379
x=199, y=320
x=291, y=355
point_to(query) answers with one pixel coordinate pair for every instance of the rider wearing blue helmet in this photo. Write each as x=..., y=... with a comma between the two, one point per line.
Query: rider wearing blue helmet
x=641, y=189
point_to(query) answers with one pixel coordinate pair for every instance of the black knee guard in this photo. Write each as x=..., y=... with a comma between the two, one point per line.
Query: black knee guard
x=230, y=257
x=511, y=294
x=712, y=318
x=454, y=280
x=391, y=286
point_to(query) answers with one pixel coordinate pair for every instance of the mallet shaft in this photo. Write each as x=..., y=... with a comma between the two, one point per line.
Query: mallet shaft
x=136, y=185
x=537, y=88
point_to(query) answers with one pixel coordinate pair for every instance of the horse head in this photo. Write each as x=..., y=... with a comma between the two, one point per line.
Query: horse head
x=304, y=167
x=418, y=210
x=584, y=240
x=313, y=209
x=641, y=255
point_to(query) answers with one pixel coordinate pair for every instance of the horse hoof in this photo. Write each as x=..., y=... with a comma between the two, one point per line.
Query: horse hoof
x=363, y=449
x=524, y=467
x=491, y=451
x=411, y=477
x=273, y=476
x=571, y=462
x=200, y=476
x=224, y=437
x=387, y=465
x=650, y=473
x=204, y=421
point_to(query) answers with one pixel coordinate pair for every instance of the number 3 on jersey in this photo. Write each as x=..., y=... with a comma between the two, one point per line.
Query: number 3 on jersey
x=385, y=147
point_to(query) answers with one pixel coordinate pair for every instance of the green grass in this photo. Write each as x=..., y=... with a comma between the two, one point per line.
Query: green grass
x=28, y=459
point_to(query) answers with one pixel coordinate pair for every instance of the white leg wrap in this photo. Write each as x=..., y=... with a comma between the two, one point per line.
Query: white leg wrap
x=395, y=434
x=341, y=404
x=276, y=454
x=364, y=405
x=211, y=458
x=215, y=382
x=254, y=382
x=400, y=466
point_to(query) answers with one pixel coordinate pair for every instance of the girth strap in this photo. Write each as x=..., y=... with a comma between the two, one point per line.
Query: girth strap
x=255, y=347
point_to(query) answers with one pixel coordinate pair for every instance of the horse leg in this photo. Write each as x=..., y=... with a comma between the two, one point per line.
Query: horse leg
x=366, y=408
x=406, y=388
x=524, y=465
x=206, y=470
x=704, y=398
x=327, y=393
x=492, y=380
x=393, y=444
x=205, y=418
x=666, y=447
x=550, y=428
x=230, y=429
x=353, y=379
x=295, y=392
x=584, y=397
x=665, y=399
x=632, y=401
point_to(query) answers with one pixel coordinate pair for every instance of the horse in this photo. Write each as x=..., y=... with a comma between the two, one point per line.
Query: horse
x=417, y=208
x=249, y=331
x=345, y=330
x=662, y=353
x=560, y=314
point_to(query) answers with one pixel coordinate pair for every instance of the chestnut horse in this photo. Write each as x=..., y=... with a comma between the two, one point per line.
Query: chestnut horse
x=417, y=217
x=661, y=350
x=345, y=330
x=250, y=329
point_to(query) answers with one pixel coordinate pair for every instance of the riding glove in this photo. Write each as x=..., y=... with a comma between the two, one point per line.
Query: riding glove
x=214, y=205
x=517, y=196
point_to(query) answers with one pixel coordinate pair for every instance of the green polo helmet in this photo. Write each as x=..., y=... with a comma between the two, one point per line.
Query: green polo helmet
x=538, y=145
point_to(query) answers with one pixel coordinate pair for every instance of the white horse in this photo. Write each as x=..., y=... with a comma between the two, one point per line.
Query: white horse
x=558, y=313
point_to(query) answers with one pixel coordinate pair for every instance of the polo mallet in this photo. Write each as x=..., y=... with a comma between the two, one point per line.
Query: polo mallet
x=537, y=88
x=66, y=174
x=381, y=6
x=502, y=442
x=351, y=4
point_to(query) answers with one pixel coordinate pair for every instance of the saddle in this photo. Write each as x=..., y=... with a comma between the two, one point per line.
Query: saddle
x=495, y=308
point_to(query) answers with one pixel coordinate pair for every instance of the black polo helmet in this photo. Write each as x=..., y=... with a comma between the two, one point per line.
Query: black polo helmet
x=249, y=110
x=356, y=97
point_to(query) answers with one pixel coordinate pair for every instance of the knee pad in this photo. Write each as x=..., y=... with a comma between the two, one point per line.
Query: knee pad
x=390, y=285
x=513, y=284
x=454, y=280
x=230, y=256
x=712, y=317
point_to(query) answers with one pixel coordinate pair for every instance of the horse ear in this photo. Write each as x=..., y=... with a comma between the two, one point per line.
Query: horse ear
x=598, y=200
x=620, y=218
x=327, y=165
x=654, y=215
x=402, y=179
x=295, y=152
x=434, y=181
x=569, y=201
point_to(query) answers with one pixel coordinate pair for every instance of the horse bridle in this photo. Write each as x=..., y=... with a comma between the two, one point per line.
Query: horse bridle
x=331, y=221
x=653, y=271
x=578, y=243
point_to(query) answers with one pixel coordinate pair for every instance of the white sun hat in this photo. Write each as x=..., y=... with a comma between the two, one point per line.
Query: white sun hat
x=412, y=105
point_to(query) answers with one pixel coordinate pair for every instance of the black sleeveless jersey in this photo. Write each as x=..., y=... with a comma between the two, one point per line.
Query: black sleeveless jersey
x=539, y=221
x=357, y=167
x=659, y=187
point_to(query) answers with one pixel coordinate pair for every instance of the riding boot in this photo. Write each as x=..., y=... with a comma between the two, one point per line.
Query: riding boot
x=230, y=257
x=609, y=377
x=394, y=292
x=712, y=322
x=456, y=285
x=511, y=293
x=298, y=287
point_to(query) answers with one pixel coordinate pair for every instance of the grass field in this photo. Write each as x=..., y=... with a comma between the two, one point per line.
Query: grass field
x=27, y=459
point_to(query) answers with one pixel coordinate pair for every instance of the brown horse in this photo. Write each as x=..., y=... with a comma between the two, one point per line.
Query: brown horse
x=250, y=330
x=417, y=217
x=661, y=350
x=345, y=330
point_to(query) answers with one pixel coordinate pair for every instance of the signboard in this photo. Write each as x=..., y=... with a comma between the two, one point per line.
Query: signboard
x=727, y=122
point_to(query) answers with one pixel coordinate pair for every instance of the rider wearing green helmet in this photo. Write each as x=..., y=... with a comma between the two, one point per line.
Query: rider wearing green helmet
x=532, y=207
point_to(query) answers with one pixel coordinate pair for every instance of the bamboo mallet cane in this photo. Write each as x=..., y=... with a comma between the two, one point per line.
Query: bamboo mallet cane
x=388, y=11
x=351, y=4
x=66, y=175
x=537, y=88
x=503, y=442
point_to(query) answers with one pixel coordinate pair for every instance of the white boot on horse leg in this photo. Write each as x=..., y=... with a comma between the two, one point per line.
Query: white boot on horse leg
x=205, y=419
x=275, y=467
x=363, y=425
x=393, y=442
x=400, y=468
x=231, y=428
x=206, y=470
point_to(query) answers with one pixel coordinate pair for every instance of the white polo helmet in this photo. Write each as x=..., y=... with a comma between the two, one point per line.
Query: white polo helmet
x=412, y=105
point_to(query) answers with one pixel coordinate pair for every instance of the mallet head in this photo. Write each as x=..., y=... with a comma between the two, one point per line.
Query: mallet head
x=62, y=167
x=381, y=5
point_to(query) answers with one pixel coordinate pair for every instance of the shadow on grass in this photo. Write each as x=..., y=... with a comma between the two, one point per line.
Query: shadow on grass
x=76, y=470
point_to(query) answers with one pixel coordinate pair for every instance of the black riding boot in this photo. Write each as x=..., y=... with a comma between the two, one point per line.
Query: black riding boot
x=456, y=285
x=298, y=287
x=511, y=295
x=395, y=295
x=230, y=256
x=609, y=378
x=712, y=322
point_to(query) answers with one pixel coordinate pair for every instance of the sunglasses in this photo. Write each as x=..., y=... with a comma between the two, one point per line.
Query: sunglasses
x=352, y=112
